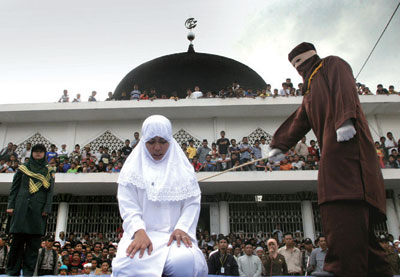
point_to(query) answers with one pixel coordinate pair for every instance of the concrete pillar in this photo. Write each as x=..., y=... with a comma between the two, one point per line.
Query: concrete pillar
x=224, y=217
x=396, y=201
x=62, y=217
x=214, y=218
x=392, y=219
x=308, y=219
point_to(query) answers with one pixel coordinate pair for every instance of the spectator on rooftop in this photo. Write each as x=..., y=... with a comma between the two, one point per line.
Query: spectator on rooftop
x=381, y=90
x=234, y=149
x=264, y=148
x=124, y=96
x=380, y=153
x=92, y=97
x=297, y=164
x=196, y=93
x=64, y=98
x=313, y=150
x=276, y=93
x=77, y=98
x=391, y=90
x=135, y=93
x=284, y=91
x=285, y=165
x=191, y=150
x=174, y=96
x=153, y=94
x=99, y=154
x=257, y=154
x=144, y=95
x=299, y=89
x=110, y=96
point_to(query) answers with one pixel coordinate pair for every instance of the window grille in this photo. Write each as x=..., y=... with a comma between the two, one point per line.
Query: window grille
x=94, y=218
x=252, y=218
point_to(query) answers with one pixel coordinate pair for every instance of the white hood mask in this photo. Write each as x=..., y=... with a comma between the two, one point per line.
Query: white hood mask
x=170, y=179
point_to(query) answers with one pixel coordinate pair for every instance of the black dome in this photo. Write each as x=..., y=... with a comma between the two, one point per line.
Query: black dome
x=178, y=72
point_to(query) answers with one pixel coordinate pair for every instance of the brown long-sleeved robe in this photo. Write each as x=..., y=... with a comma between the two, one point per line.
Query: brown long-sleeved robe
x=347, y=170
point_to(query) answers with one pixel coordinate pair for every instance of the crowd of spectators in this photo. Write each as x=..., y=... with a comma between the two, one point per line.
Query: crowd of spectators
x=233, y=91
x=271, y=254
x=224, y=154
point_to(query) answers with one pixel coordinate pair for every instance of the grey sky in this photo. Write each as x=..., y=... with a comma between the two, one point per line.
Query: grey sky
x=47, y=46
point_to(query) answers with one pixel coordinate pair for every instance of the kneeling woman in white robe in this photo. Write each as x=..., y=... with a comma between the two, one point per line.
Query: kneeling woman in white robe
x=159, y=202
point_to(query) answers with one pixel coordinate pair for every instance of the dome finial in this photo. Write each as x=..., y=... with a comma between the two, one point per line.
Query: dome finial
x=190, y=24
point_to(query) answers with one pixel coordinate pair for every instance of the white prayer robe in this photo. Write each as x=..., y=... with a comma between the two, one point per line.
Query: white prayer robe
x=159, y=219
x=250, y=266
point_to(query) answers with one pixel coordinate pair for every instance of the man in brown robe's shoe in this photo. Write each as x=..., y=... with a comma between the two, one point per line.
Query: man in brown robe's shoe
x=351, y=192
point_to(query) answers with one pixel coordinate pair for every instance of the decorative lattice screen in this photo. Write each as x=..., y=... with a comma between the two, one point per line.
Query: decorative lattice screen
x=183, y=136
x=35, y=139
x=107, y=139
x=257, y=134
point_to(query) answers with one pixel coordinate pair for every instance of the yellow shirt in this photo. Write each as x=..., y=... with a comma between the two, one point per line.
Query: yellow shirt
x=191, y=151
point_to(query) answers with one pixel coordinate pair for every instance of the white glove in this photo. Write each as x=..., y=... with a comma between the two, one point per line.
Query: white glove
x=346, y=131
x=276, y=155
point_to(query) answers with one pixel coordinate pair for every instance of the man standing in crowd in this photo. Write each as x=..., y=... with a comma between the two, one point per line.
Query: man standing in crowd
x=203, y=151
x=26, y=153
x=351, y=192
x=135, y=140
x=222, y=263
x=3, y=254
x=29, y=203
x=223, y=144
x=6, y=152
x=305, y=256
x=302, y=148
x=47, y=261
x=249, y=264
x=264, y=148
x=126, y=150
x=245, y=153
x=391, y=255
x=317, y=258
x=292, y=255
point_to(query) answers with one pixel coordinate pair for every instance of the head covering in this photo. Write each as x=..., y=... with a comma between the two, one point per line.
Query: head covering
x=170, y=179
x=38, y=166
x=300, y=49
x=64, y=267
x=309, y=61
x=307, y=241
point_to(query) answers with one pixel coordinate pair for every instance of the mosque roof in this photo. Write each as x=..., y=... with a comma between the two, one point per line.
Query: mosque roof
x=181, y=71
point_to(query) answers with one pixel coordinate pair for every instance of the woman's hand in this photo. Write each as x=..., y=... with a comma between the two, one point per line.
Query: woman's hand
x=179, y=236
x=140, y=243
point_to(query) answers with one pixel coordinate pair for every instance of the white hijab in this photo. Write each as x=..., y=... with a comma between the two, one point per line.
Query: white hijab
x=170, y=179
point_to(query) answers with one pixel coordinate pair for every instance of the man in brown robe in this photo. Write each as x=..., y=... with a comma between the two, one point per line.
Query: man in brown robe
x=351, y=193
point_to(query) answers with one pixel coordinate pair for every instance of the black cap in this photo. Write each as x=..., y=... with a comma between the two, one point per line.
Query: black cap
x=383, y=238
x=39, y=148
x=299, y=49
x=49, y=239
x=307, y=241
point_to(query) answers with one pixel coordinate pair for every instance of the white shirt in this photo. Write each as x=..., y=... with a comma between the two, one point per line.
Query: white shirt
x=25, y=154
x=284, y=92
x=264, y=150
x=196, y=94
x=250, y=266
x=292, y=257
